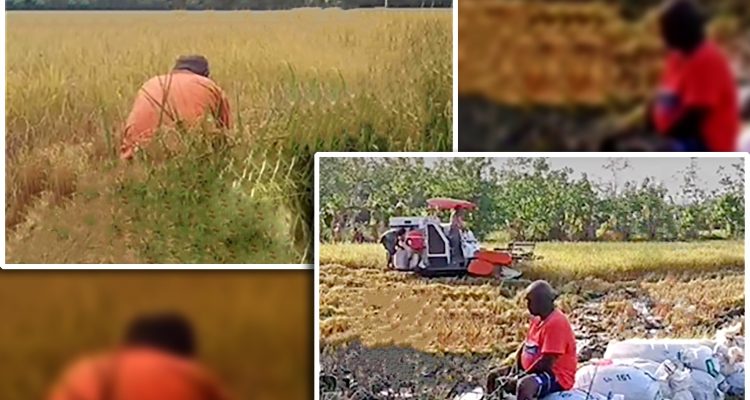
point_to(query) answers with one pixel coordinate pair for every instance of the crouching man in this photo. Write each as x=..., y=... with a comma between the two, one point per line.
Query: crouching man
x=547, y=358
x=184, y=96
x=391, y=241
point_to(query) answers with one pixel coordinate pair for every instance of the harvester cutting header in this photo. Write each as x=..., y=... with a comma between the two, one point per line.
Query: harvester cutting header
x=431, y=248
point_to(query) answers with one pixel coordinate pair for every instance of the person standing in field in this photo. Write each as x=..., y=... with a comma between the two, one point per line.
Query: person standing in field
x=547, y=358
x=185, y=96
x=696, y=103
x=155, y=362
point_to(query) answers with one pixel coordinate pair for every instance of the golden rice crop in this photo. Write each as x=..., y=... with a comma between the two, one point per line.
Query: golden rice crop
x=298, y=81
x=564, y=53
x=693, y=286
x=563, y=261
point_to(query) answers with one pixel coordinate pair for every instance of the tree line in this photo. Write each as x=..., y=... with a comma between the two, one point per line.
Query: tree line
x=213, y=4
x=527, y=199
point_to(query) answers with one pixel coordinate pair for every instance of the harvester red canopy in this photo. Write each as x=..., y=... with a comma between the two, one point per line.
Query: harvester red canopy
x=443, y=203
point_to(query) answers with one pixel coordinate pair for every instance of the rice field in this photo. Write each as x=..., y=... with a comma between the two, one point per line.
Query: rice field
x=298, y=82
x=565, y=261
x=51, y=319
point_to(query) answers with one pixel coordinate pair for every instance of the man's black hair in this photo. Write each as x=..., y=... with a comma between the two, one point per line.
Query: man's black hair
x=169, y=332
x=194, y=63
x=401, y=231
x=683, y=25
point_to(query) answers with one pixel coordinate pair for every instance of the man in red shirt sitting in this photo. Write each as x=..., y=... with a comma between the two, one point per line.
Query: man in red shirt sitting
x=548, y=355
x=696, y=103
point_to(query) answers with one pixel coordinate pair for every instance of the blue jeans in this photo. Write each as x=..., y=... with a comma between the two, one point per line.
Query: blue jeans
x=547, y=384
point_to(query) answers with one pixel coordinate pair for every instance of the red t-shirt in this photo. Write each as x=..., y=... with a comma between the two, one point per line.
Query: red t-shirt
x=553, y=336
x=701, y=79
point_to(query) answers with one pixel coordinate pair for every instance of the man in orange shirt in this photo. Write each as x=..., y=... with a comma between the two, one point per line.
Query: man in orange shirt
x=184, y=97
x=154, y=363
x=548, y=355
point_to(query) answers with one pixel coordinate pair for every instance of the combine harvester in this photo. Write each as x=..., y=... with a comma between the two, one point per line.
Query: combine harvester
x=428, y=249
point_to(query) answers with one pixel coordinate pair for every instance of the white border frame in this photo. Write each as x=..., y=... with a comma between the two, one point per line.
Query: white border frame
x=412, y=154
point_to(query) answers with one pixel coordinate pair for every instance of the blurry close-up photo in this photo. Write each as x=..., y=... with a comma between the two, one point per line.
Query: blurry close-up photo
x=612, y=75
x=136, y=335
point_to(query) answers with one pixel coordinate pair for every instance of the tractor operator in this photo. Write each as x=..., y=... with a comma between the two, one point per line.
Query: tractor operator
x=186, y=95
x=548, y=355
x=696, y=105
x=155, y=362
x=391, y=241
x=455, y=231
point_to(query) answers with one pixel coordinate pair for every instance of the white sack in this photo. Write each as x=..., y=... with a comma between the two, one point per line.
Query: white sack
x=575, y=394
x=736, y=383
x=694, y=353
x=630, y=380
x=705, y=386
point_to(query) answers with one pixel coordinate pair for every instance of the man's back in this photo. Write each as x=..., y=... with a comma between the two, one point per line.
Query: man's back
x=178, y=96
x=137, y=374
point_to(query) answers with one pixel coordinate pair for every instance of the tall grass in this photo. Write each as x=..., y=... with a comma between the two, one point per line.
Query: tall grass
x=298, y=82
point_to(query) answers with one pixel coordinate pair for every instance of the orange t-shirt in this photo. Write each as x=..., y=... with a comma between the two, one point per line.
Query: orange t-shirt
x=553, y=336
x=163, y=100
x=137, y=374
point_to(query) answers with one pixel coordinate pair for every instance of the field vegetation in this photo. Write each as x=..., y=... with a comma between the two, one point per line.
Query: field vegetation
x=361, y=301
x=525, y=199
x=564, y=261
x=444, y=331
x=634, y=259
x=52, y=319
x=298, y=81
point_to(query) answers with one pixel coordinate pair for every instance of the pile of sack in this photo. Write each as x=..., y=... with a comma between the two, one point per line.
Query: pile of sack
x=656, y=369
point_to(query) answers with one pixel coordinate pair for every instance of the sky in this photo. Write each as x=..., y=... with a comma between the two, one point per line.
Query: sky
x=663, y=169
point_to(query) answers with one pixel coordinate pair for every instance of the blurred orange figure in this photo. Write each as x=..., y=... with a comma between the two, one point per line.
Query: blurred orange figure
x=154, y=363
x=186, y=96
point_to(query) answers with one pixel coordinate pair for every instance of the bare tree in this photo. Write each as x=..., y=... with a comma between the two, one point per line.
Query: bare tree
x=615, y=166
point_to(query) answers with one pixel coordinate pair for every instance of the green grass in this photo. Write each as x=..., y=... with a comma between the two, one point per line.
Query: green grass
x=576, y=260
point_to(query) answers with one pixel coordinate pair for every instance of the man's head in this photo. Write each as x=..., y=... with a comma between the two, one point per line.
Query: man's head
x=682, y=25
x=540, y=298
x=401, y=231
x=196, y=64
x=169, y=332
